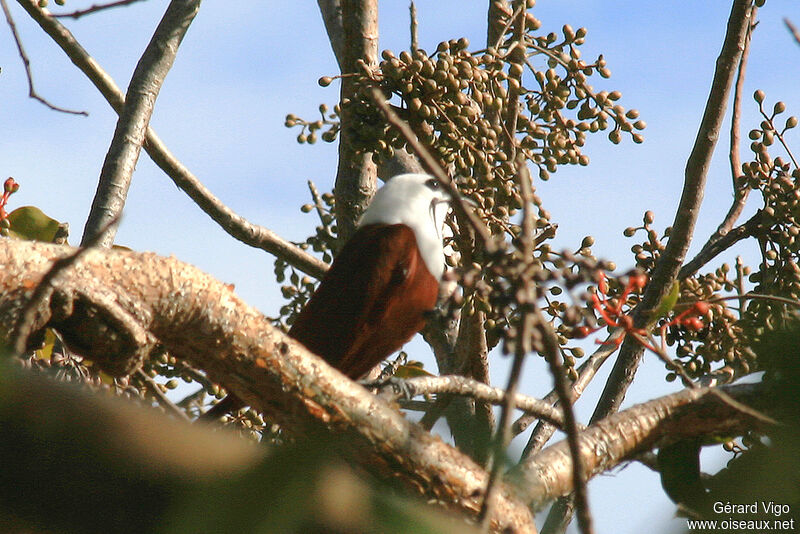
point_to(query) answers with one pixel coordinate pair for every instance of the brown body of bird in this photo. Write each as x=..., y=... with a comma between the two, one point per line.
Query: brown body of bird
x=384, y=280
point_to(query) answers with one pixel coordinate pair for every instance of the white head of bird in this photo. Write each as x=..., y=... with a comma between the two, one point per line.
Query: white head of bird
x=420, y=202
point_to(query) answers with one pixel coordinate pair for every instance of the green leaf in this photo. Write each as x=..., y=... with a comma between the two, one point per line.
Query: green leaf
x=667, y=303
x=30, y=223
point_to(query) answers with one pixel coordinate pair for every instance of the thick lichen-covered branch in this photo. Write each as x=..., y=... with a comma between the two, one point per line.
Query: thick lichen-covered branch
x=201, y=321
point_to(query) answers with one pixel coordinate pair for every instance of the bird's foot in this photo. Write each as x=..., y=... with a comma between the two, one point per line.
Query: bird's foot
x=400, y=389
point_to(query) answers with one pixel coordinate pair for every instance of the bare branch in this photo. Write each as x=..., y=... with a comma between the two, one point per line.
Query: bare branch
x=793, y=30
x=27, y=63
x=623, y=436
x=356, y=175
x=332, y=17
x=412, y=13
x=666, y=270
x=237, y=226
x=131, y=129
x=720, y=239
x=96, y=8
x=586, y=372
x=714, y=247
x=201, y=321
x=740, y=192
x=468, y=387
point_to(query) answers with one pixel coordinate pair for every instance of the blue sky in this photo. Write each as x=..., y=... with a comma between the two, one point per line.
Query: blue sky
x=244, y=65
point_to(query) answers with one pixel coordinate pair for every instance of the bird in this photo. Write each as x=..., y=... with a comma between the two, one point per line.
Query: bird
x=381, y=285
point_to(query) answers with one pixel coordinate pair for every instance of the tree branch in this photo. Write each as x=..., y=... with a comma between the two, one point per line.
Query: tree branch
x=666, y=270
x=201, y=321
x=122, y=155
x=586, y=372
x=690, y=413
x=238, y=227
x=356, y=176
x=96, y=8
x=792, y=29
x=27, y=64
x=332, y=17
x=23, y=328
x=713, y=246
x=468, y=387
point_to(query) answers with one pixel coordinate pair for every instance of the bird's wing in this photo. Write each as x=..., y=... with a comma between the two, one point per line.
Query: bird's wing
x=345, y=319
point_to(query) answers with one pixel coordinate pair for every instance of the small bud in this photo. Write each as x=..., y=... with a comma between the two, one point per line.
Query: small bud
x=649, y=217
x=758, y=96
x=10, y=186
x=325, y=81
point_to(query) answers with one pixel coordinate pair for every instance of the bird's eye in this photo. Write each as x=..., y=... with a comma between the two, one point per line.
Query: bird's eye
x=434, y=184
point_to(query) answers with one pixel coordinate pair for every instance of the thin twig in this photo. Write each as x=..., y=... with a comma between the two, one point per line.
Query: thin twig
x=792, y=29
x=27, y=316
x=553, y=356
x=433, y=167
x=586, y=372
x=27, y=63
x=236, y=225
x=523, y=342
x=778, y=134
x=93, y=9
x=714, y=247
x=740, y=191
x=412, y=12
x=162, y=399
